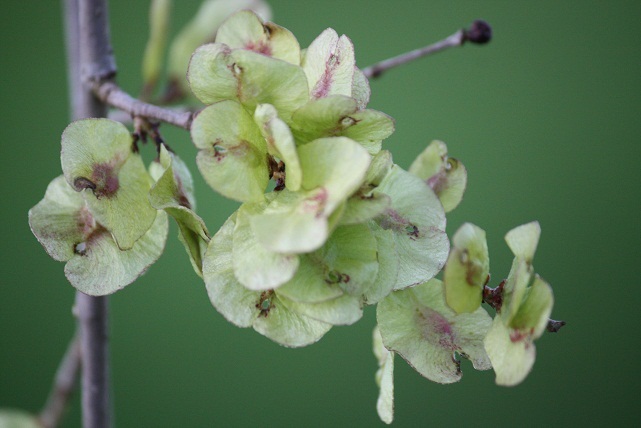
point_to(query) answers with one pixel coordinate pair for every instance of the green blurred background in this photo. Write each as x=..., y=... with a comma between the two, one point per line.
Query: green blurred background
x=546, y=119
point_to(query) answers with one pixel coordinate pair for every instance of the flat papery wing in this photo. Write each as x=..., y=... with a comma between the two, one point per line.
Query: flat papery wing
x=245, y=30
x=343, y=310
x=469, y=329
x=451, y=191
x=217, y=73
x=384, y=378
x=338, y=115
x=417, y=219
x=350, y=254
x=173, y=193
x=369, y=128
x=127, y=214
x=100, y=267
x=416, y=333
x=234, y=302
x=322, y=117
x=232, y=156
x=60, y=221
x=512, y=354
x=256, y=267
x=446, y=176
x=388, y=263
x=91, y=148
x=337, y=165
x=98, y=160
x=156, y=169
x=418, y=325
x=346, y=264
x=360, y=88
x=524, y=239
x=467, y=269
x=329, y=65
x=184, y=182
x=280, y=143
x=193, y=243
x=534, y=313
x=291, y=223
x=380, y=166
x=211, y=76
x=310, y=284
x=287, y=327
x=362, y=207
x=431, y=160
x=265, y=80
x=202, y=29
x=515, y=288
x=334, y=220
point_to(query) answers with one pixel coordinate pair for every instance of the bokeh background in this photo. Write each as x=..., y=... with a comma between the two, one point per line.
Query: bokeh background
x=547, y=121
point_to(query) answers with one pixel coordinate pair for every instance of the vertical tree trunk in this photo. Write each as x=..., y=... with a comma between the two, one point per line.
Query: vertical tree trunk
x=90, y=58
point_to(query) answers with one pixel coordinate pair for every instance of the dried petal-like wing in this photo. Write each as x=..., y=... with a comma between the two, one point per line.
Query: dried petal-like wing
x=98, y=160
x=417, y=219
x=256, y=267
x=329, y=64
x=467, y=269
x=245, y=30
x=233, y=156
x=417, y=324
x=101, y=268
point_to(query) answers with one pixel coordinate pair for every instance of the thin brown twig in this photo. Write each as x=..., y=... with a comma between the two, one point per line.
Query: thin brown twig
x=127, y=119
x=479, y=32
x=110, y=93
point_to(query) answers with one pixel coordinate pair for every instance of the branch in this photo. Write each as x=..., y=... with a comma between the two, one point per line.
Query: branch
x=479, y=32
x=92, y=318
x=63, y=386
x=90, y=59
x=72, y=43
x=96, y=53
x=127, y=119
x=111, y=94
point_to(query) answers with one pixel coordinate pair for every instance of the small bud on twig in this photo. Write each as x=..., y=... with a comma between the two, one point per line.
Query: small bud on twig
x=479, y=33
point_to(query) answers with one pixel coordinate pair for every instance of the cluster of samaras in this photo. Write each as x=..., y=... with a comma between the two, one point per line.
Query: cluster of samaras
x=328, y=223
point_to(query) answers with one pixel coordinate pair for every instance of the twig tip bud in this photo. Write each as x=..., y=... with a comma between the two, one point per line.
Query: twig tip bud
x=479, y=32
